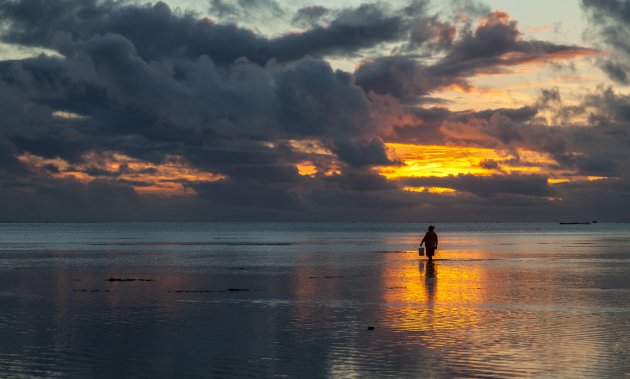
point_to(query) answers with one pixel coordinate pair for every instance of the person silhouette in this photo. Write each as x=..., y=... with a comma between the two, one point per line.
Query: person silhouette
x=430, y=241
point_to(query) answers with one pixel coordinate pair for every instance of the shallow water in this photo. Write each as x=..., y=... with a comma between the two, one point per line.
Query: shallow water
x=296, y=300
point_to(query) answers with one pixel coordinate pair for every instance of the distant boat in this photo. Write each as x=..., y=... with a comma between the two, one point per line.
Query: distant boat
x=576, y=223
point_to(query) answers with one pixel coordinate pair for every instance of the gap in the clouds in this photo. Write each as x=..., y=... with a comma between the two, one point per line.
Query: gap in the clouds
x=435, y=190
x=520, y=85
x=12, y=51
x=441, y=161
x=445, y=160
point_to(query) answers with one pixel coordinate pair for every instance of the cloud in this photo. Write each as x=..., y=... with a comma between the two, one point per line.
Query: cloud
x=116, y=91
x=149, y=105
x=229, y=123
x=37, y=198
x=489, y=186
x=248, y=9
x=494, y=46
x=599, y=148
x=609, y=21
x=309, y=16
x=497, y=44
x=399, y=76
x=157, y=32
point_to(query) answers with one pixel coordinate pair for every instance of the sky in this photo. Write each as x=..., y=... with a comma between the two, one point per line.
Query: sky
x=419, y=110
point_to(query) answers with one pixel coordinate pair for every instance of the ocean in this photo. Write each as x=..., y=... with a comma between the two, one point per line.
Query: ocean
x=314, y=300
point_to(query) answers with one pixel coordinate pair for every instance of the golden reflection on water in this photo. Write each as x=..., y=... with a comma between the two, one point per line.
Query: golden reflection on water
x=432, y=300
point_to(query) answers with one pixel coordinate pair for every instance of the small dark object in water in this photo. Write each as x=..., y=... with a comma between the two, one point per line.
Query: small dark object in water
x=86, y=290
x=128, y=280
x=236, y=290
x=370, y=328
x=192, y=291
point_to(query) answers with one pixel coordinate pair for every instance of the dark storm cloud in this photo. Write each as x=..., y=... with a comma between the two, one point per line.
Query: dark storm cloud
x=361, y=152
x=361, y=181
x=439, y=125
x=530, y=185
x=111, y=52
x=610, y=20
x=269, y=174
x=352, y=29
x=9, y=165
x=399, y=76
x=126, y=93
x=158, y=33
x=522, y=114
x=250, y=198
x=494, y=46
x=304, y=99
x=152, y=84
x=38, y=198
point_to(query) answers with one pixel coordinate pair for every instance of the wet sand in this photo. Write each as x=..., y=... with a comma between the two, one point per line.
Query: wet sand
x=492, y=309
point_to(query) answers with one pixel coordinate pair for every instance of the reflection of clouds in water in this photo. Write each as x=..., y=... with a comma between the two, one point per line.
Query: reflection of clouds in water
x=488, y=314
x=430, y=280
x=429, y=307
x=476, y=311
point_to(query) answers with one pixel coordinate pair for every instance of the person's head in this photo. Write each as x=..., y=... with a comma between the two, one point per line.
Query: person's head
x=431, y=228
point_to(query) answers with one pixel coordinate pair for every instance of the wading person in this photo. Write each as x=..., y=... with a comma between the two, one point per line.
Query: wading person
x=430, y=241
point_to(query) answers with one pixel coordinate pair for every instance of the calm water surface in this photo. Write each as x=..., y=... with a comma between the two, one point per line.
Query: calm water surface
x=296, y=300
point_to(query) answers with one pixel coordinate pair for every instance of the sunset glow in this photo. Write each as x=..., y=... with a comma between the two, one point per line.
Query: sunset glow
x=316, y=109
x=435, y=298
x=168, y=178
x=443, y=160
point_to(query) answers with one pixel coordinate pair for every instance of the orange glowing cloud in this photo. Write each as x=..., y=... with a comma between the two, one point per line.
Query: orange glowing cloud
x=438, y=190
x=470, y=89
x=528, y=58
x=539, y=29
x=495, y=18
x=326, y=164
x=527, y=52
x=167, y=178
